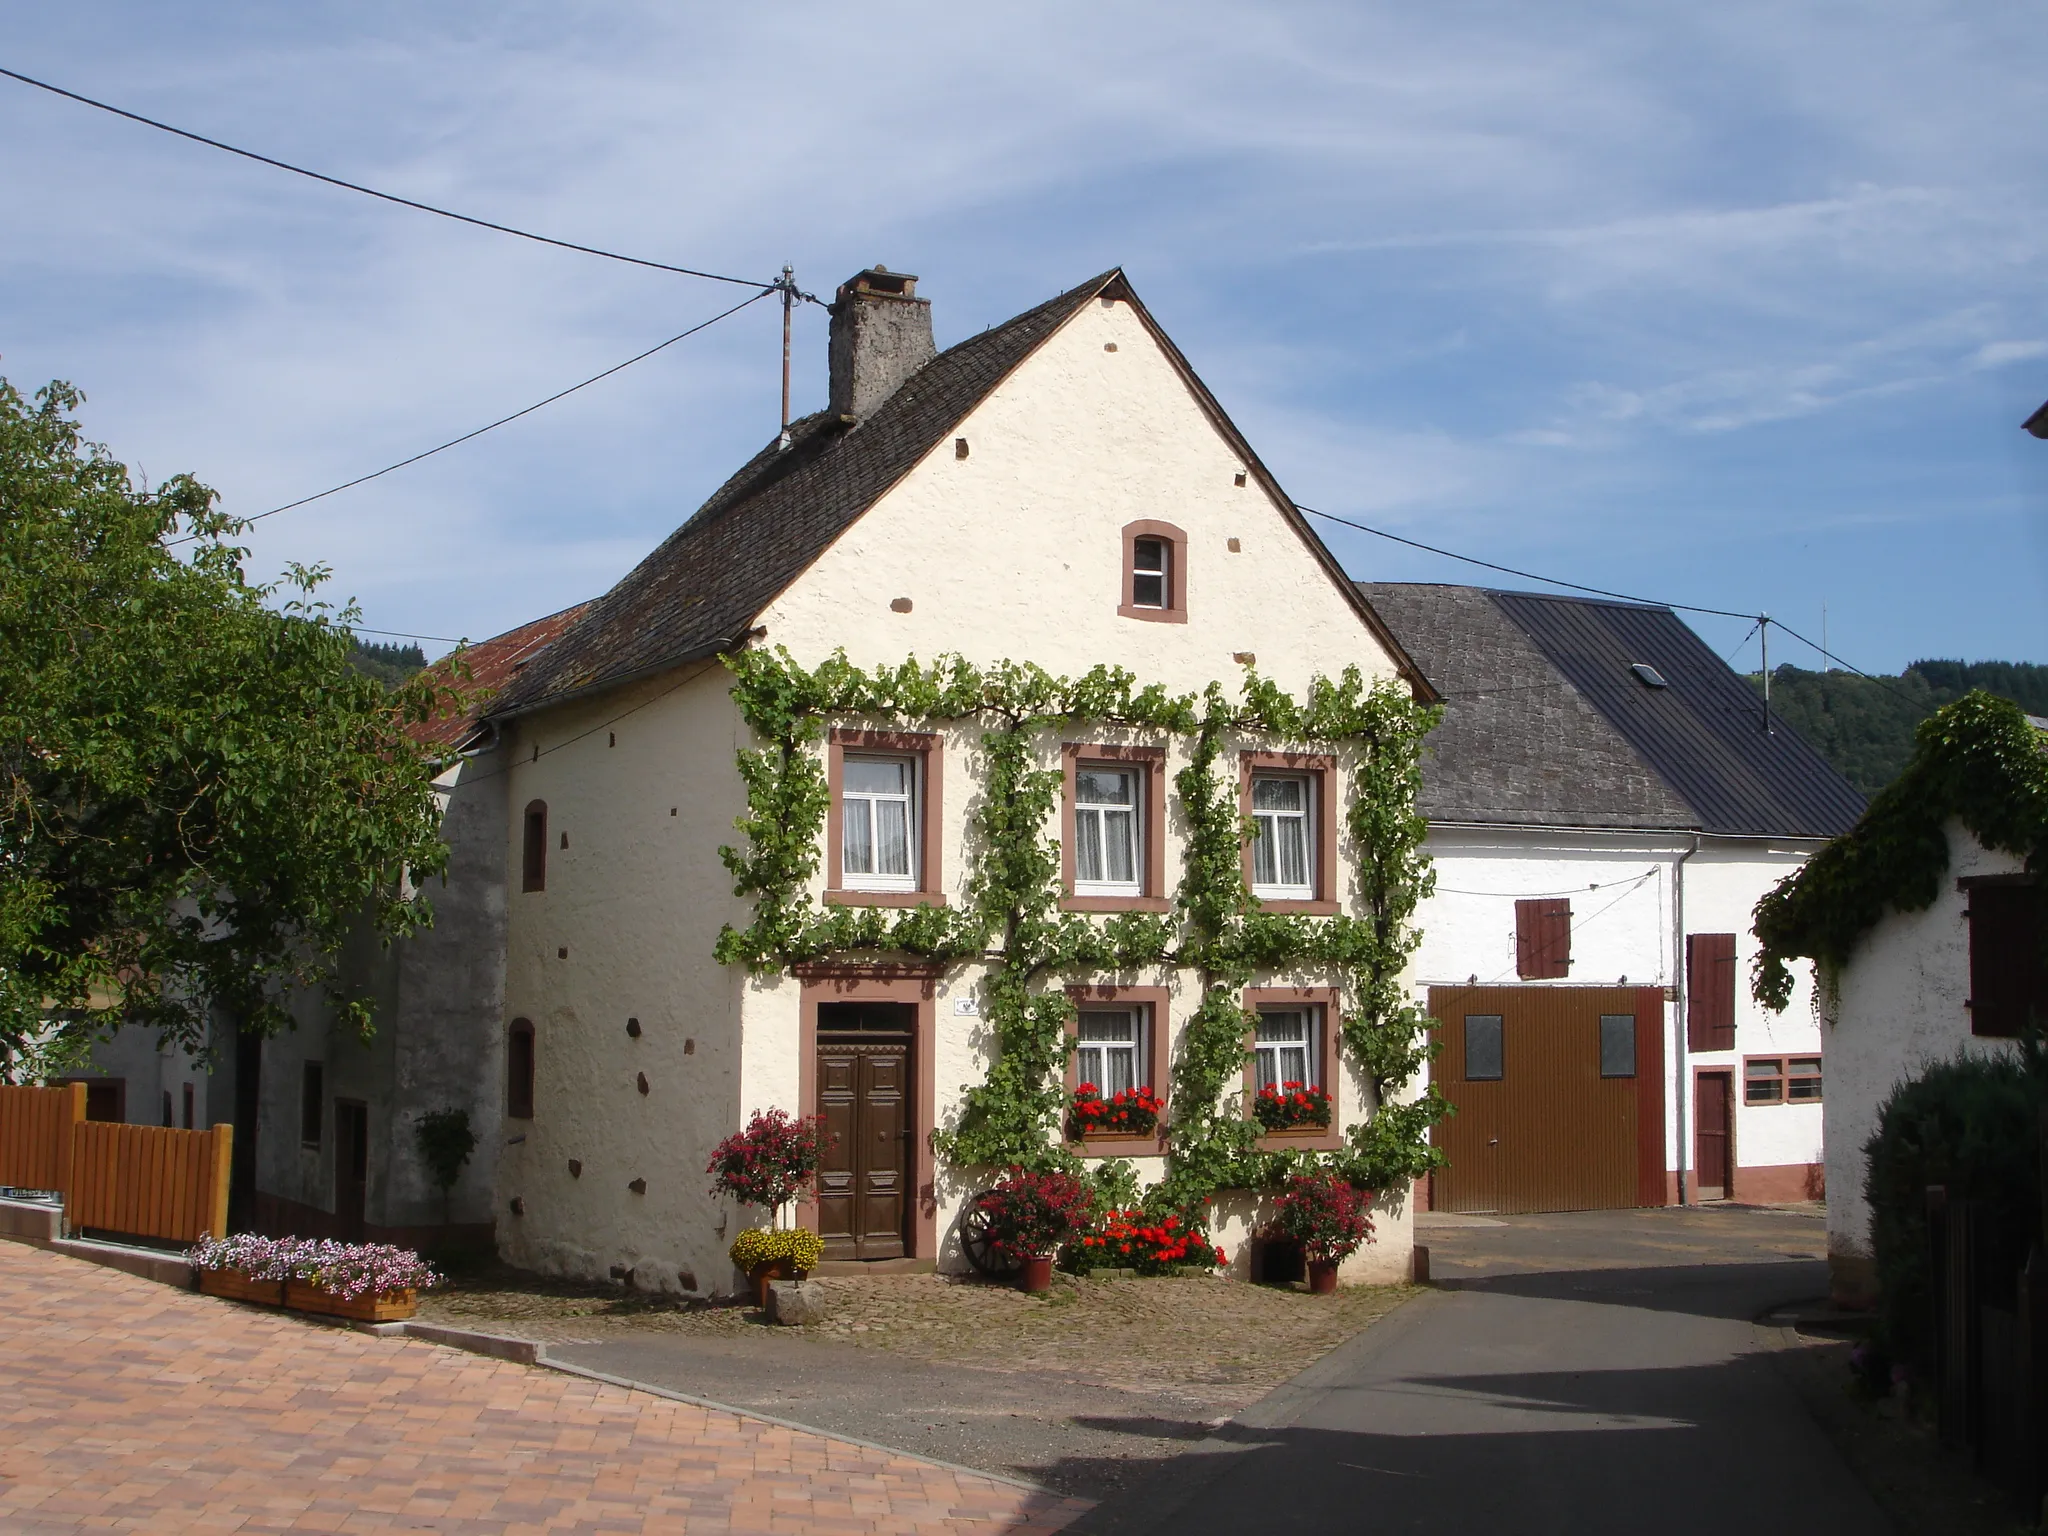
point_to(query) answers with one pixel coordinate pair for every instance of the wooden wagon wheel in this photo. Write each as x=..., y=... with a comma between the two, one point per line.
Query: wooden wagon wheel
x=974, y=1242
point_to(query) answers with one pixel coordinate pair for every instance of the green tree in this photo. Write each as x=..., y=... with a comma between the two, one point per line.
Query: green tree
x=200, y=798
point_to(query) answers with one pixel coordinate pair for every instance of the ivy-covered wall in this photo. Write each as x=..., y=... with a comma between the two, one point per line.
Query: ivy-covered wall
x=1012, y=924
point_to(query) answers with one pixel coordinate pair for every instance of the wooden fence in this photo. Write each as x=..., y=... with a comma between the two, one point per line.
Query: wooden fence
x=140, y=1181
x=35, y=1135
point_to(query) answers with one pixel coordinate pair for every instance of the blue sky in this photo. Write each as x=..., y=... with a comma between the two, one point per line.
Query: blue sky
x=1737, y=305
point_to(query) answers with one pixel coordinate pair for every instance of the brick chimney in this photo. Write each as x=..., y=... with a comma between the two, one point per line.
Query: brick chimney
x=881, y=335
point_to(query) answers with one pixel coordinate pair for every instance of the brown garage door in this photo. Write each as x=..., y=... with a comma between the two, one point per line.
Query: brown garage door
x=1559, y=1098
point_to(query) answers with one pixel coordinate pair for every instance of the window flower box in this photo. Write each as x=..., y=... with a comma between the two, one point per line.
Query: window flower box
x=1292, y=1107
x=1131, y=1112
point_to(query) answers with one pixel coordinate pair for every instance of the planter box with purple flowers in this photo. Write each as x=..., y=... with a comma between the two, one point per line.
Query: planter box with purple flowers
x=366, y=1282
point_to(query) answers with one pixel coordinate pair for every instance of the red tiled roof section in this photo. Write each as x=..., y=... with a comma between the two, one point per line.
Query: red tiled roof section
x=492, y=664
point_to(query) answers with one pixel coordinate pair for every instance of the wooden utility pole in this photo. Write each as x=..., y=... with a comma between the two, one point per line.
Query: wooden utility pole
x=788, y=286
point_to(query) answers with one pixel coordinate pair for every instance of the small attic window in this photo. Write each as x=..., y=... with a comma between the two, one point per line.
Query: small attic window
x=1647, y=675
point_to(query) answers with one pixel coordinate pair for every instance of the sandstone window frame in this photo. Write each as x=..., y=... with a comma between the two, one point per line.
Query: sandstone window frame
x=1172, y=573
x=927, y=755
x=1150, y=765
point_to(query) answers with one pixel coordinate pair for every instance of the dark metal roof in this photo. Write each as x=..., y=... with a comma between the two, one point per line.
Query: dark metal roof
x=1518, y=743
x=1549, y=723
x=701, y=590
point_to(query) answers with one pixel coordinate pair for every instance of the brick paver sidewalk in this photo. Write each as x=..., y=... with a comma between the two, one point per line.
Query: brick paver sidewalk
x=126, y=1405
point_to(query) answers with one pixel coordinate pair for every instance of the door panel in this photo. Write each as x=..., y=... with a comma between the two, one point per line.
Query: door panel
x=1549, y=1133
x=863, y=1185
x=1712, y=1098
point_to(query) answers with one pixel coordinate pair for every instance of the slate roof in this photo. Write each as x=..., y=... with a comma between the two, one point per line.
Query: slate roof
x=1545, y=723
x=702, y=588
x=492, y=664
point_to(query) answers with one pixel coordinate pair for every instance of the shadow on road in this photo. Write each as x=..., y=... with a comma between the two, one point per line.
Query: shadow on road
x=1737, y=1292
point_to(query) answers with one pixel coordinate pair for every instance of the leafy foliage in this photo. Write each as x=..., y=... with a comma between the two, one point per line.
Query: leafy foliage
x=1971, y=1125
x=1012, y=917
x=1979, y=761
x=445, y=1142
x=1864, y=726
x=200, y=798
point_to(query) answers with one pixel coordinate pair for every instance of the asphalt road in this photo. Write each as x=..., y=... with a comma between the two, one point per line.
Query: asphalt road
x=1575, y=1374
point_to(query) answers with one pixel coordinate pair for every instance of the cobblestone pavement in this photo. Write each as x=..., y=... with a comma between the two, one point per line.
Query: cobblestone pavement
x=126, y=1405
x=1214, y=1342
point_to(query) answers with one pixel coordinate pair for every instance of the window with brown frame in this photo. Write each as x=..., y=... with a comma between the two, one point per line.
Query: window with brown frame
x=1710, y=991
x=1155, y=578
x=1802, y=1080
x=1290, y=861
x=1763, y=1080
x=1543, y=938
x=1113, y=806
x=882, y=823
x=1295, y=1039
x=533, y=863
x=2008, y=977
x=519, y=1070
x=1117, y=1039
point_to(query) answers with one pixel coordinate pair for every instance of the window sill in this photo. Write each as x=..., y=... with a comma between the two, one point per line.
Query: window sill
x=1294, y=906
x=1073, y=903
x=1305, y=1138
x=1152, y=615
x=885, y=899
x=1138, y=1144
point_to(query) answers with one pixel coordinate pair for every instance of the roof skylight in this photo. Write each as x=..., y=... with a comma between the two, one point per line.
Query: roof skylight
x=1647, y=675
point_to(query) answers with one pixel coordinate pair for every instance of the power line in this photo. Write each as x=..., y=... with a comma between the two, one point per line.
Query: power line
x=1451, y=554
x=501, y=421
x=389, y=197
x=403, y=634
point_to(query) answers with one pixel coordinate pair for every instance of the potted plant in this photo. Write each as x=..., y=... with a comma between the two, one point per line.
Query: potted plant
x=367, y=1282
x=773, y=1161
x=1128, y=1112
x=241, y=1268
x=1327, y=1216
x=1292, y=1107
x=1029, y=1216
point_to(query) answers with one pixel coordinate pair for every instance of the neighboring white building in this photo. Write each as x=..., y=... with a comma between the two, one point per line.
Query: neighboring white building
x=1606, y=808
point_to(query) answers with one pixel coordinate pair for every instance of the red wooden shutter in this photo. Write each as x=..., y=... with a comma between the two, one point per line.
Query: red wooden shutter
x=1710, y=991
x=1543, y=939
x=2006, y=981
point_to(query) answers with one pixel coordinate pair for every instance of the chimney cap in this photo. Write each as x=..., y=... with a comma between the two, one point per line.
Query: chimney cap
x=879, y=282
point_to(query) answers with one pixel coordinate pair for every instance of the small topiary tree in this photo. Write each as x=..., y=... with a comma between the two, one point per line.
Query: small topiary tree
x=445, y=1142
x=771, y=1162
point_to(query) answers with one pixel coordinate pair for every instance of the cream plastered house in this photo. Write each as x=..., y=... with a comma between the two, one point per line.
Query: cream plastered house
x=1607, y=804
x=1060, y=489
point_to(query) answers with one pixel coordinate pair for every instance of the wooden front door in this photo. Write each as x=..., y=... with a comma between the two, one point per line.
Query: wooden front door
x=1712, y=1100
x=351, y=1166
x=864, y=1095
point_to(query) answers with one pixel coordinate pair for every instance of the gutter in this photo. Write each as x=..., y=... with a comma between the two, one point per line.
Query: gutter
x=1679, y=971
x=1579, y=826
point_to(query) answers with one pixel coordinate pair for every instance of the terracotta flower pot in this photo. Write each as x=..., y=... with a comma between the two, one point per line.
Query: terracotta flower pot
x=1036, y=1275
x=1322, y=1277
x=771, y=1269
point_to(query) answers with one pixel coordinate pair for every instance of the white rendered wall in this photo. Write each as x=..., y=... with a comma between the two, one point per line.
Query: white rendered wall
x=1621, y=886
x=1900, y=1011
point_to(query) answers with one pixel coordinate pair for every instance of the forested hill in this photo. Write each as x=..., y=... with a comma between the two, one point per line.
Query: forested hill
x=389, y=664
x=1864, y=726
